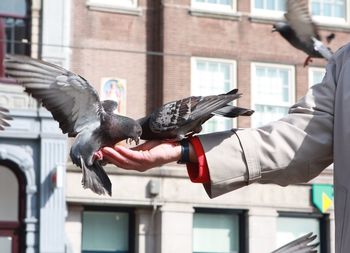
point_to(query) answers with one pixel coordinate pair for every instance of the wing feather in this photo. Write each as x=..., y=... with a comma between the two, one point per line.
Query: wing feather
x=73, y=102
x=178, y=113
x=300, y=21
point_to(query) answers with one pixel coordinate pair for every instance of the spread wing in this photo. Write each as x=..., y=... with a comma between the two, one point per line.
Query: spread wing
x=185, y=111
x=300, y=21
x=73, y=102
x=299, y=245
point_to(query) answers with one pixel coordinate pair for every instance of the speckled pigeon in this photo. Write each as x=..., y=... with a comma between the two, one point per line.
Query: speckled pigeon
x=301, y=32
x=299, y=245
x=75, y=104
x=4, y=117
x=179, y=119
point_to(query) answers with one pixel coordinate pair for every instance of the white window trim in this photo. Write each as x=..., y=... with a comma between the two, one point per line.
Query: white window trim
x=265, y=13
x=310, y=73
x=234, y=76
x=254, y=81
x=114, y=6
x=272, y=16
x=331, y=21
x=214, y=7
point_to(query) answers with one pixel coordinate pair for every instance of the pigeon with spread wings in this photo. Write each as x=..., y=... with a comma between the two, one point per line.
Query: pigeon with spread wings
x=301, y=32
x=75, y=104
x=181, y=118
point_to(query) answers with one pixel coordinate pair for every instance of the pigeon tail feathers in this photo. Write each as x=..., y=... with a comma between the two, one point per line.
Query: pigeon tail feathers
x=95, y=178
x=231, y=111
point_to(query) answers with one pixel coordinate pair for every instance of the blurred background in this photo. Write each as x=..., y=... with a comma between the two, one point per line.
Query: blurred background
x=143, y=53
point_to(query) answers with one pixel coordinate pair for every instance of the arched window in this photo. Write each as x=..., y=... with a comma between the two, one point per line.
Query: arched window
x=11, y=210
x=14, y=28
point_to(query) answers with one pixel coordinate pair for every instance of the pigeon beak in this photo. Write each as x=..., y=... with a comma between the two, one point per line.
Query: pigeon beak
x=273, y=29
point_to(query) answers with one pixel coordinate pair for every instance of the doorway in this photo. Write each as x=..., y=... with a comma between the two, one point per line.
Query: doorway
x=12, y=187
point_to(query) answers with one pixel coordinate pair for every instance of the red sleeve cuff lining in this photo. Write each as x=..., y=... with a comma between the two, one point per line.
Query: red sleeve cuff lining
x=198, y=172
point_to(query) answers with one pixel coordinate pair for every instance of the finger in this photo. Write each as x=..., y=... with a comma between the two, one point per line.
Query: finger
x=98, y=156
x=119, y=160
x=138, y=156
x=147, y=145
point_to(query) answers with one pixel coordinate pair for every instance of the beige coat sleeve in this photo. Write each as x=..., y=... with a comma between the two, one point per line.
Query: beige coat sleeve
x=291, y=150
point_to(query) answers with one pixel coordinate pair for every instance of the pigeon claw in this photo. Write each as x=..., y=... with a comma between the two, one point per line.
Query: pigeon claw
x=98, y=155
x=135, y=139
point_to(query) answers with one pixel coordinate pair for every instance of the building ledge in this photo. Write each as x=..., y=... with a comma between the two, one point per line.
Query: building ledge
x=96, y=6
x=215, y=14
x=339, y=27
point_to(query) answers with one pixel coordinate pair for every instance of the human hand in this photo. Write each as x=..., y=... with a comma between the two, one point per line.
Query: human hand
x=143, y=157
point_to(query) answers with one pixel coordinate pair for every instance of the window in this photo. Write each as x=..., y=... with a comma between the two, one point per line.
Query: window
x=13, y=15
x=218, y=231
x=329, y=10
x=273, y=92
x=290, y=226
x=215, y=5
x=316, y=75
x=14, y=28
x=212, y=77
x=107, y=231
x=274, y=8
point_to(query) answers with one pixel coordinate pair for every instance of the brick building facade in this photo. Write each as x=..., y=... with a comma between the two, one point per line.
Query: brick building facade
x=158, y=51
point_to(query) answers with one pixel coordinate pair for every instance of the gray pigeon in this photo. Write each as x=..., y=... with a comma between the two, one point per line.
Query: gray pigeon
x=75, y=104
x=178, y=119
x=4, y=117
x=299, y=245
x=301, y=32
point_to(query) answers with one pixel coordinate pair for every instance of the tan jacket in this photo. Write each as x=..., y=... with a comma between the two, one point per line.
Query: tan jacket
x=294, y=149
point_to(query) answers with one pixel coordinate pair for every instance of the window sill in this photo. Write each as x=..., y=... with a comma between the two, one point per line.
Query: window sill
x=113, y=8
x=264, y=19
x=215, y=14
x=340, y=27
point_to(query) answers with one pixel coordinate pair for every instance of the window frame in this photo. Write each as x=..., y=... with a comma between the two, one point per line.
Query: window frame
x=219, y=60
x=270, y=14
x=324, y=222
x=243, y=225
x=292, y=85
x=329, y=21
x=310, y=73
x=27, y=18
x=129, y=210
x=214, y=7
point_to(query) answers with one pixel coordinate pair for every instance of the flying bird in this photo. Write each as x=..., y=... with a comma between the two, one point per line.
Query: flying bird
x=4, y=117
x=75, y=104
x=299, y=245
x=301, y=32
x=178, y=119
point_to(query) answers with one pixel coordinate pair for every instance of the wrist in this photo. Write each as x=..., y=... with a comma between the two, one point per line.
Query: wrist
x=185, y=152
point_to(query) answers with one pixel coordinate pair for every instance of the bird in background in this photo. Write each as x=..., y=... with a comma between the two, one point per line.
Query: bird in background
x=301, y=32
x=179, y=119
x=4, y=117
x=76, y=106
x=299, y=245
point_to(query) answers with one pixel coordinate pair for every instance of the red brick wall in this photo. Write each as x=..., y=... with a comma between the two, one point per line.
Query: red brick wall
x=169, y=27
